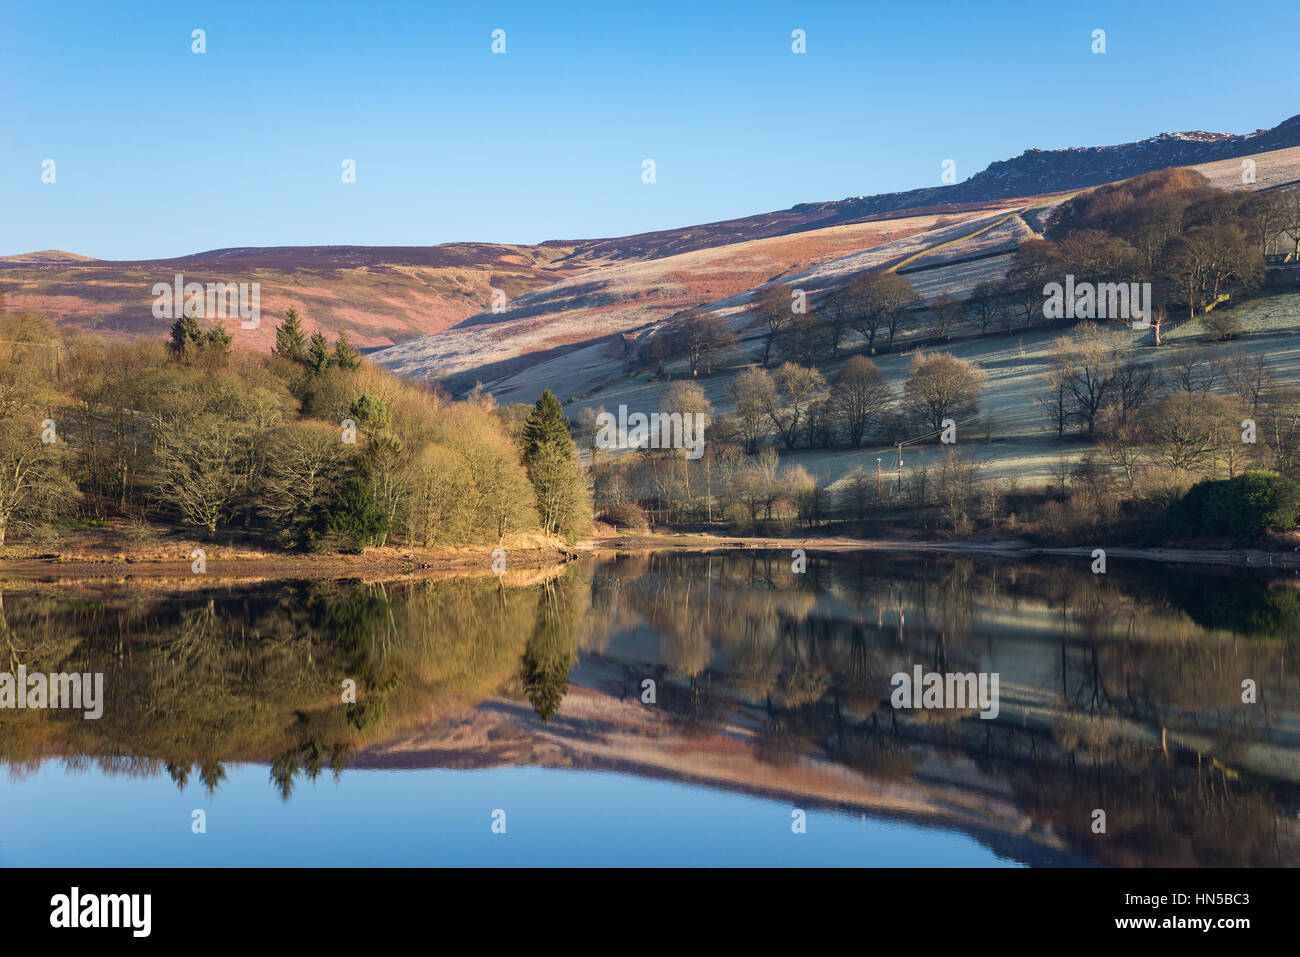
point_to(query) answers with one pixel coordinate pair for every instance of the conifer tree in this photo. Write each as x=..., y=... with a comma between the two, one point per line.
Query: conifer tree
x=318, y=355
x=187, y=337
x=551, y=461
x=216, y=344
x=546, y=427
x=290, y=340
x=345, y=354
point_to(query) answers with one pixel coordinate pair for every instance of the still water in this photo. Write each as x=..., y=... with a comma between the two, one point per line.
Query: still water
x=661, y=709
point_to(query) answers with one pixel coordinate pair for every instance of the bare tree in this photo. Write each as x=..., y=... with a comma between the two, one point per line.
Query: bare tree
x=880, y=300
x=200, y=466
x=1056, y=398
x=702, y=337
x=859, y=394
x=751, y=393
x=32, y=481
x=986, y=305
x=1187, y=430
x=1088, y=362
x=1208, y=260
x=1288, y=220
x=942, y=386
x=1192, y=370
x=1135, y=384
x=945, y=314
x=1250, y=377
x=836, y=308
x=1281, y=413
x=797, y=390
x=773, y=308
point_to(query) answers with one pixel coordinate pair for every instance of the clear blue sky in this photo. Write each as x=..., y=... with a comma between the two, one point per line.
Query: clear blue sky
x=162, y=152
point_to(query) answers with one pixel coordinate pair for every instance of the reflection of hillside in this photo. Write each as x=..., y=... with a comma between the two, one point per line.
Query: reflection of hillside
x=773, y=683
x=1119, y=693
x=1105, y=682
x=600, y=732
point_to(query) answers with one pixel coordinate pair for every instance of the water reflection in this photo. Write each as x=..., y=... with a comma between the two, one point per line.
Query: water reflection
x=1120, y=693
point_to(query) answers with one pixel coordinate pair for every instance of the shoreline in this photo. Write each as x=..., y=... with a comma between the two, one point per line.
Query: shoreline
x=231, y=565
x=226, y=565
x=1007, y=548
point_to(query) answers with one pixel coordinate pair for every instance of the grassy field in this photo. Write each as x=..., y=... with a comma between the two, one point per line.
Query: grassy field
x=1012, y=437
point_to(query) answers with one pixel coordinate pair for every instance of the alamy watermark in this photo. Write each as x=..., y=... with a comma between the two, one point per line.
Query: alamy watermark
x=1106, y=300
x=946, y=691
x=130, y=911
x=215, y=300
x=55, y=690
x=658, y=430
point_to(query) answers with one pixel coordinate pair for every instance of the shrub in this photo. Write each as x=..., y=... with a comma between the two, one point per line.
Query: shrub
x=1244, y=507
x=625, y=515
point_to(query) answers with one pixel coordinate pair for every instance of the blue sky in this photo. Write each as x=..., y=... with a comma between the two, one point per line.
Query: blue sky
x=162, y=152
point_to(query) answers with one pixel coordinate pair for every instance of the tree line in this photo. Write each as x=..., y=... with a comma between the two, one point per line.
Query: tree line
x=310, y=447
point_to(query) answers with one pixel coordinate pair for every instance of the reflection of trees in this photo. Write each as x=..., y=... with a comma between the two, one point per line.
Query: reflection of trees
x=1135, y=708
x=193, y=682
x=211, y=773
x=549, y=654
x=1247, y=606
x=1159, y=815
x=807, y=669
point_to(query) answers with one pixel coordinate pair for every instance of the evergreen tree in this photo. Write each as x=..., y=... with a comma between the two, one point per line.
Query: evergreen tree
x=345, y=354
x=546, y=427
x=290, y=340
x=358, y=516
x=551, y=461
x=218, y=341
x=187, y=337
x=370, y=413
x=318, y=356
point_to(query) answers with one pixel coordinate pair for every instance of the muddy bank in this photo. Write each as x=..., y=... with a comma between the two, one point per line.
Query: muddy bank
x=234, y=565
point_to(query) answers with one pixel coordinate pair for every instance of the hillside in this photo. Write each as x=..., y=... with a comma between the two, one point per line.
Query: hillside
x=47, y=256
x=380, y=294
x=569, y=337
x=385, y=296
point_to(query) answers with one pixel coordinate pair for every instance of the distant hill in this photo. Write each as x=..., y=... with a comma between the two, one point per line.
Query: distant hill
x=1033, y=173
x=380, y=294
x=48, y=256
x=571, y=337
x=388, y=295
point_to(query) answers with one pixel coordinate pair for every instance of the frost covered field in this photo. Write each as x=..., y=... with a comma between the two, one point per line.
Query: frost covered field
x=1013, y=438
x=573, y=336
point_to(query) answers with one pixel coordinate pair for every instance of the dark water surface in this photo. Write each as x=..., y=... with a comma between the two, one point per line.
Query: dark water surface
x=524, y=704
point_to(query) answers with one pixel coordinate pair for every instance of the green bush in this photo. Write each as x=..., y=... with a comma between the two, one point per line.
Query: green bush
x=357, y=515
x=1243, y=508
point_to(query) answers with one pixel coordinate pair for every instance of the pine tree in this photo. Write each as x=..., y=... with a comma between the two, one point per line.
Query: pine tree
x=546, y=427
x=370, y=413
x=187, y=337
x=318, y=356
x=552, y=464
x=345, y=354
x=290, y=340
x=218, y=341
